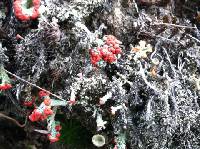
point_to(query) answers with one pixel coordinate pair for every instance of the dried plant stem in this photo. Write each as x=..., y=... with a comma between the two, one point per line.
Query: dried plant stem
x=174, y=25
x=19, y=78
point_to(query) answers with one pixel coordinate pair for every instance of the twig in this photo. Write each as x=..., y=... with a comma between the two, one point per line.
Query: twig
x=13, y=120
x=42, y=131
x=19, y=78
x=175, y=25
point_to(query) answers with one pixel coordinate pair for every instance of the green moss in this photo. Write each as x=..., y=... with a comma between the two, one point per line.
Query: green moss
x=74, y=135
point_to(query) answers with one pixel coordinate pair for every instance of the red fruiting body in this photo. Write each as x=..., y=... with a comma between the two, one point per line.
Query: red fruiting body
x=95, y=56
x=36, y=4
x=115, y=147
x=52, y=139
x=58, y=135
x=43, y=93
x=19, y=37
x=19, y=11
x=58, y=127
x=107, y=52
x=5, y=86
x=116, y=46
x=72, y=101
x=43, y=117
x=35, y=116
x=118, y=51
x=111, y=58
x=35, y=14
x=48, y=111
x=29, y=103
x=47, y=101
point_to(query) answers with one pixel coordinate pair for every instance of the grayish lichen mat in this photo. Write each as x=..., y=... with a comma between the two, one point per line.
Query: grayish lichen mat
x=127, y=72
